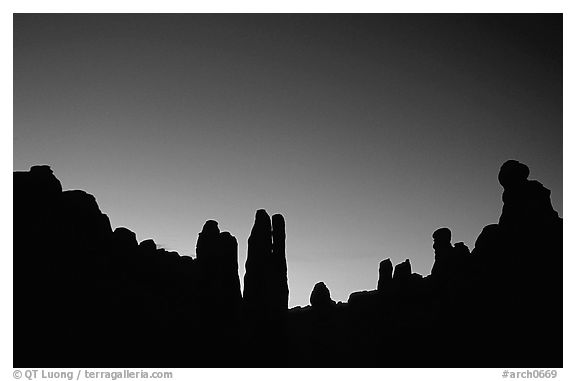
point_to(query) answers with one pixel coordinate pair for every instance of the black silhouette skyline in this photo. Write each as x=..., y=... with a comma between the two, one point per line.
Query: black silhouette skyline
x=497, y=305
x=288, y=190
x=366, y=132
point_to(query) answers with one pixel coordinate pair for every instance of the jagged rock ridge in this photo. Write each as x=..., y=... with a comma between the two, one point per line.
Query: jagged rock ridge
x=74, y=276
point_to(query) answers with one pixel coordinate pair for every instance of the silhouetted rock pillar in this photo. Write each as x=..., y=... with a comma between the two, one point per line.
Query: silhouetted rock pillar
x=207, y=242
x=280, y=275
x=384, y=274
x=217, y=256
x=529, y=228
x=265, y=281
x=402, y=271
x=230, y=280
x=443, y=252
x=258, y=264
x=320, y=296
x=526, y=202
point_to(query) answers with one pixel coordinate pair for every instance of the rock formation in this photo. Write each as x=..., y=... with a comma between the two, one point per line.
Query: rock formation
x=444, y=256
x=217, y=256
x=279, y=267
x=320, y=296
x=125, y=240
x=526, y=202
x=266, y=281
x=384, y=274
x=402, y=271
x=76, y=277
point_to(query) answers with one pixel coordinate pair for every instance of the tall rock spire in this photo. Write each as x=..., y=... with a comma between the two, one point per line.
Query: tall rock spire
x=217, y=255
x=266, y=280
x=279, y=268
x=385, y=274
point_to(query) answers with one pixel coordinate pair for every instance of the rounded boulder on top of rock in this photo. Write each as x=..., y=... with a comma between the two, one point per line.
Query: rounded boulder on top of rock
x=320, y=296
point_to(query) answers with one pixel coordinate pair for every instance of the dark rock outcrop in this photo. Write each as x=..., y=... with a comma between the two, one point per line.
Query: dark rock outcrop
x=125, y=240
x=320, y=296
x=384, y=274
x=402, y=271
x=148, y=246
x=461, y=250
x=217, y=257
x=526, y=202
x=91, y=282
x=279, y=266
x=256, y=279
x=266, y=281
x=444, y=256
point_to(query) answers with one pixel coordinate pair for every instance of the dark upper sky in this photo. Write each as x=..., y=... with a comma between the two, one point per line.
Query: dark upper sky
x=367, y=132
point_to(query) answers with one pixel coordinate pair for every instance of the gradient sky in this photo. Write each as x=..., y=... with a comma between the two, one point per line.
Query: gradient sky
x=367, y=132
